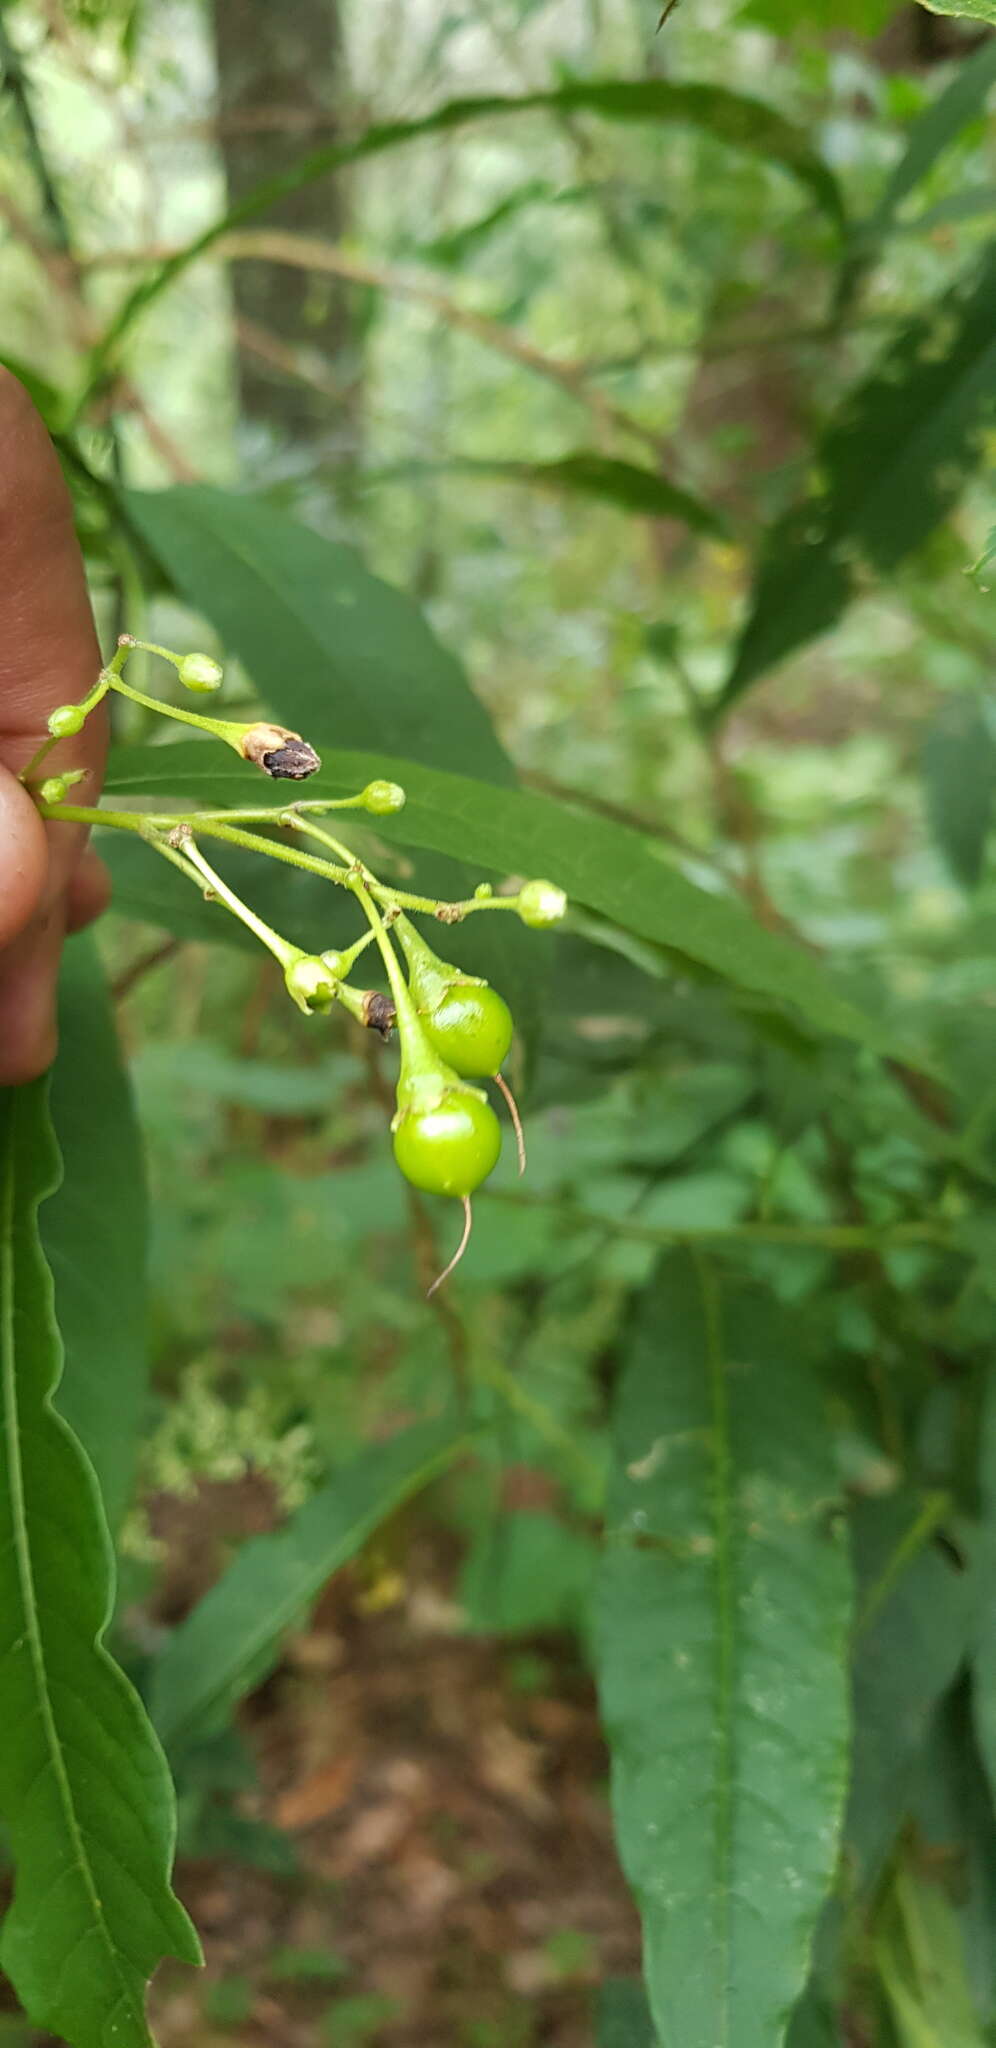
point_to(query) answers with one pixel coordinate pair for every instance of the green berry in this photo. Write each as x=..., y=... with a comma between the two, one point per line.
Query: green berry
x=451, y=1148
x=65, y=720
x=471, y=1028
x=200, y=673
x=541, y=904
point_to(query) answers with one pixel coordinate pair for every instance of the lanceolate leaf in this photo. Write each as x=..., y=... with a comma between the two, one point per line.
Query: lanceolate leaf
x=984, y=1663
x=94, y=1230
x=890, y=467
x=906, y=1656
x=367, y=670
x=959, y=774
x=85, y=1797
x=623, y=2018
x=233, y=1637
x=937, y=127
x=587, y=474
x=603, y=866
x=722, y=1659
x=972, y=10
x=730, y=117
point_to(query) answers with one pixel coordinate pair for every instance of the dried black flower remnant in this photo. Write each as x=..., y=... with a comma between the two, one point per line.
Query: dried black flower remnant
x=279, y=752
x=379, y=1013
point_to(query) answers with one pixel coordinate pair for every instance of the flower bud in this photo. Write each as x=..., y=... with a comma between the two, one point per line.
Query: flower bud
x=56, y=788
x=382, y=798
x=310, y=982
x=541, y=904
x=200, y=673
x=66, y=719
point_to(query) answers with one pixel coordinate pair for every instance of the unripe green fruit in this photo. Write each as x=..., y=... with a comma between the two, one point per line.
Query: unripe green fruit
x=311, y=983
x=450, y=1149
x=65, y=720
x=472, y=1029
x=383, y=797
x=541, y=904
x=200, y=673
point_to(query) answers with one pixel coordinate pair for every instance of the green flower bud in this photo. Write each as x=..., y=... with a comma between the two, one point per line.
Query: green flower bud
x=483, y=892
x=383, y=797
x=541, y=904
x=310, y=982
x=200, y=673
x=56, y=788
x=66, y=719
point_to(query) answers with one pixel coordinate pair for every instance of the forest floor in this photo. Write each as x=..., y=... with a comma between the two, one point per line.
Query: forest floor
x=444, y=1800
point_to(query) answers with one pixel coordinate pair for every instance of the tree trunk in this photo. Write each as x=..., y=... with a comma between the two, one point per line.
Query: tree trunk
x=280, y=93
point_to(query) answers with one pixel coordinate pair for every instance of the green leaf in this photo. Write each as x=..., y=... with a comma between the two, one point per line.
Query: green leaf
x=920, y=1611
x=623, y=2017
x=85, y=1795
x=958, y=764
x=366, y=669
x=722, y=1659
x=889, y=469
x=970, y=10
x=586, y=474
x=820, y=17
x=989, y=551
x=730, y=117
x=94, y=1231
x=920, y=1958
x=984, y=1658
x=234, y=1634
x=589, y=475
x=603, y=866
x=936, y=128
x=813, y=2024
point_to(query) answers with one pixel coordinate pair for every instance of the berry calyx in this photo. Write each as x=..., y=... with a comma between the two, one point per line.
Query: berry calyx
x=310, y=982
x=466, y=1021
x=451, y=1148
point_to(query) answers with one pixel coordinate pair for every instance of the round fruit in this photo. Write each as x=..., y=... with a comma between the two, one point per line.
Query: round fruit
x=449, y=1150
x=472, y=1029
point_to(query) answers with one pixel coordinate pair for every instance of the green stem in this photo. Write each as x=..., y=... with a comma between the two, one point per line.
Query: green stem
x=921, y=1529
x=281, y=949
x=221, y=728
x=210, y=823
x=831, y=1237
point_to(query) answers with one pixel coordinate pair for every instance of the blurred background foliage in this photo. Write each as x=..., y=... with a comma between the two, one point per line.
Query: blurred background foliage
x=577, y=385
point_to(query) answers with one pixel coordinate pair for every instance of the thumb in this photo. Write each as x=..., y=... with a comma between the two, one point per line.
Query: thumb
x=23, y=858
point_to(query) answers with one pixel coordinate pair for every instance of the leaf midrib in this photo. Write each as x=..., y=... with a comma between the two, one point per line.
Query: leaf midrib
x=21, y=1544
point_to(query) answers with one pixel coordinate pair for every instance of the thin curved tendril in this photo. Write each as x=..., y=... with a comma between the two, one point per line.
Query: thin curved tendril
x=468, y=1220
x=513, y=1110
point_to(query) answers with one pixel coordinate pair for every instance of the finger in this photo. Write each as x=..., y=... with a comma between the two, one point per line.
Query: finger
x=48, y=655
x=24, y=857
x=28, y=978
x=89, y=892
x=48, y=647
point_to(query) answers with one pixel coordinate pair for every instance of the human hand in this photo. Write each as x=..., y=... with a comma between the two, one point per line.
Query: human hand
x=50, y=882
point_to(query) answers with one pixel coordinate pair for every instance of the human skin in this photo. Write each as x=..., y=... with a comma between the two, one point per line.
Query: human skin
x=51, y=883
